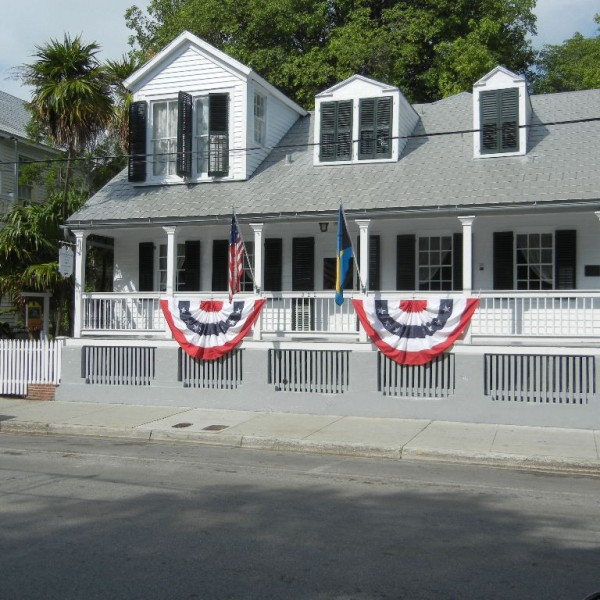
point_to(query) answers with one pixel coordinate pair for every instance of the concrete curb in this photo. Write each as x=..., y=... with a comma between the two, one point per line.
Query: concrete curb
x=546, y=463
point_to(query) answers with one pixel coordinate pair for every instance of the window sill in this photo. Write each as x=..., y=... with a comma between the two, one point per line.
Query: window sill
x=181, y=181
x=370, y=161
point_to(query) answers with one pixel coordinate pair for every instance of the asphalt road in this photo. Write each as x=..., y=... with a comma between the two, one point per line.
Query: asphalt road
x=90, y=518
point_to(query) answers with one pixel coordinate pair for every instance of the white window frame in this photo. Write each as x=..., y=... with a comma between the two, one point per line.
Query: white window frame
x=260, y=119
x=435, y=247
x=171, y=142
x=545, y=253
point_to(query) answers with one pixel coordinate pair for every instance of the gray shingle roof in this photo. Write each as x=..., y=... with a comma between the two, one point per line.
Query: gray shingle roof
x=13, y=115
x=434, y=172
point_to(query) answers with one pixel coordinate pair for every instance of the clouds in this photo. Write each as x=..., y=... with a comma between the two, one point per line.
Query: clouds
x=558, y=20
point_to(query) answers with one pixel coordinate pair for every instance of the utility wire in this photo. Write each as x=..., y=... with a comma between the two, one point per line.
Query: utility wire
x=290, y=146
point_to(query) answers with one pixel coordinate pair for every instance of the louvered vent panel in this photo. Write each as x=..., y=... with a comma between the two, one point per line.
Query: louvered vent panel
x=319, y=371
x=436, y=379
x=225, y=373
x=118, y=365
x=539, y=378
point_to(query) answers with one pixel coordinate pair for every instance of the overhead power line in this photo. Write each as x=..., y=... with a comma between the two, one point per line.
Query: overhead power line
x=290, y=146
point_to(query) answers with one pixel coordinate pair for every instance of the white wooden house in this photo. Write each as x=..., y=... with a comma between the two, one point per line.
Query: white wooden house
x=493, y=194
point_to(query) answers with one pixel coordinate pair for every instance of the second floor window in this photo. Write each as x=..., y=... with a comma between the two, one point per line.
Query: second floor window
x=260, y=119
x=499, y=121
x=164, y=137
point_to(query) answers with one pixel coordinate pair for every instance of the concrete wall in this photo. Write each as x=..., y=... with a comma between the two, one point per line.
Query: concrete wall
x=468, y=402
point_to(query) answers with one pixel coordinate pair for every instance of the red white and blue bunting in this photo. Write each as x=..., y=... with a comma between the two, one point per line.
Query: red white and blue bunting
x=210, y=329
x=414, y=332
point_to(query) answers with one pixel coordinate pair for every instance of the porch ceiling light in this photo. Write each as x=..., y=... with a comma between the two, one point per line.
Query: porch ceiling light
x=323, y=227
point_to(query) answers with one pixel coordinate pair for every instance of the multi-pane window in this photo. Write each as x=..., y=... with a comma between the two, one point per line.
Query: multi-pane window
x=201, y=135
x=534, y=261
x=260, y=119
x=435, y=263
x=162, y=267
x=164, y=137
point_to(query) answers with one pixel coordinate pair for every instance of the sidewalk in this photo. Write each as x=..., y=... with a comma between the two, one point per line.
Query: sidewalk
x=531, y=447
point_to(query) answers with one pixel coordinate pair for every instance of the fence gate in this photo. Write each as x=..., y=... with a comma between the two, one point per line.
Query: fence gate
x=24, y=362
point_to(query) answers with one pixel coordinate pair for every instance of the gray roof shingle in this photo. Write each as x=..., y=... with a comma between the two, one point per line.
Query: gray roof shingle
x=14, y=116
x=434, y=171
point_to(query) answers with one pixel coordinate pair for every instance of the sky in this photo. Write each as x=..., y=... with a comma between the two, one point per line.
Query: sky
x=26, y=23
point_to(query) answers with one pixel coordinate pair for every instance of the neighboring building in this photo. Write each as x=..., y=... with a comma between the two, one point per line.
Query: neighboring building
x=493, y=194
x=15, y=150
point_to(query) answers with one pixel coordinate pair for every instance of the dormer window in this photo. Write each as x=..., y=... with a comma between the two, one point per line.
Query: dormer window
x=189, y=138
x=260, y=119
x=374, y=127
x=499, y=121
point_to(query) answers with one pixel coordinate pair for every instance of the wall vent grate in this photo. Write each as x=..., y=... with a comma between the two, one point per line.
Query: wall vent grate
x=118, y=365
x=540, y=379
x=224, y=373
x=318, y=371
x=435, y=379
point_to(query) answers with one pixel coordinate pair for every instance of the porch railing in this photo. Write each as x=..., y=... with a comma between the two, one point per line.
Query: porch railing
x=572, y=314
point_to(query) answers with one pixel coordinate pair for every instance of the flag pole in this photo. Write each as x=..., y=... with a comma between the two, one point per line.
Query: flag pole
x=245, y=249
x=360, y=279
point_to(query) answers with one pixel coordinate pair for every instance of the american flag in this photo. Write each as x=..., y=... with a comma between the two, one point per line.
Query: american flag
x=236, y=259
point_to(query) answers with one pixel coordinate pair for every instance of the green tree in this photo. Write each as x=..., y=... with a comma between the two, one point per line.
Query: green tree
x=71, y=102
x=430, y=49
x=572, y=65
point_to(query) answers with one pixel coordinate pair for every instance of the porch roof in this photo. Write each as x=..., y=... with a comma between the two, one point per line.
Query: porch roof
x=435, y=172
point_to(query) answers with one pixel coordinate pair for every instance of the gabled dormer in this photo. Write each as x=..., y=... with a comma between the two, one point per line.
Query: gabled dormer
x=361, y=120
x=501, y=113
x=199, y=115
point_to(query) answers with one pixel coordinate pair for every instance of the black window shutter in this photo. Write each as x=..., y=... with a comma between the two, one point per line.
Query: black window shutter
x=218, y=135
x=138, y=112
x=146, y=267
x=457, y=261
x=489, y=121
x=184, y=135
x=374, y=263
x=303, y=264
x=375, y=115
x=406, y=262
x=327, y=141
x=499, y=121
x=220, y=261
x=273, y=264
x=504, y=260
x=565, y=259
x=191, y=267
x=336, y=131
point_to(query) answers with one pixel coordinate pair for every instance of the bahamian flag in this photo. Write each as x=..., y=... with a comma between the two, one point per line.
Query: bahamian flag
x=343, y=257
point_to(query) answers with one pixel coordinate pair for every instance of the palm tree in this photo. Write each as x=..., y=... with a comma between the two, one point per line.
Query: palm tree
x=71, y=99
x=117, y=71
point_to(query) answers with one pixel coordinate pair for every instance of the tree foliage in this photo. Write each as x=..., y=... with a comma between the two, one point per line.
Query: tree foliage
x=572, y=65
x=429, y=48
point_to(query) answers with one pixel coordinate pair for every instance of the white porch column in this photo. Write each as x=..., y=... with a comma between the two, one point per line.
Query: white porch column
x=467, y=225
x=258, y=272
x=258, y=256
x=597, y=213
x=80, y=252
x=46, y=317
x=171, y=259
x=363, y=267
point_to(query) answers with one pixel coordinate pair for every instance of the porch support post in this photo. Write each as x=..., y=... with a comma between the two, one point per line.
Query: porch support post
x=46, y=317
x=597, y=213
x=258, y=256
x=171, y=259
x=258, y=271
x=363, y=225
x=467, y=225
x=80, y=253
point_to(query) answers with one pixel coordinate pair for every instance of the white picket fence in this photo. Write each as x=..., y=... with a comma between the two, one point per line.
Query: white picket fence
x=23, y=362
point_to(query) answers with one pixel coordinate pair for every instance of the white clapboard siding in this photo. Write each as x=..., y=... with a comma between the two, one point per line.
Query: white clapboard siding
x=23, y=362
